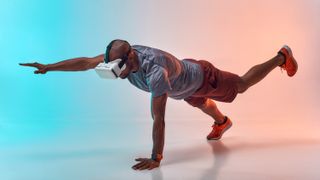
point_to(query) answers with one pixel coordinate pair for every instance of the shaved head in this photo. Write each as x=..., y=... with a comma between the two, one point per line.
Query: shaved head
x=121, y=49
x=117, y=49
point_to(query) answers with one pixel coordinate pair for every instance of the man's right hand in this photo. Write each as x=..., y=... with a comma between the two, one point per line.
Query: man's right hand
x=42, y=69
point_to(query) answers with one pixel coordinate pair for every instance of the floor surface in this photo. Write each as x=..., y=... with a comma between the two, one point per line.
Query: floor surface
x=254, y=148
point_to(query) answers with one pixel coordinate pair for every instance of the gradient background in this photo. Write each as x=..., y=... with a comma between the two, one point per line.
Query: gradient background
x=68, y=118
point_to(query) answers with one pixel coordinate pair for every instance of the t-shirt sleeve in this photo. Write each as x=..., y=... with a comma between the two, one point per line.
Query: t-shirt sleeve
x=158, y=81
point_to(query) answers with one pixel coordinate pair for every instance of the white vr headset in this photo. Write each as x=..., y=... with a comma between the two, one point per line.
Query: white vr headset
x=113, y=69
x=110, y=70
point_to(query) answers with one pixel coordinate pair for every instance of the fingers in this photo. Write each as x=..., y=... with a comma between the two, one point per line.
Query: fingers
x=140, y=159
x=35, y=65
x=28, y=64
x=145, y=166
x=40, y=68
x=145, y=163
x=39, y=72
x=139, y=165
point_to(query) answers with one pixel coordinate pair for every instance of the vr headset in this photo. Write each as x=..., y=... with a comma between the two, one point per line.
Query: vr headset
x=113, y=69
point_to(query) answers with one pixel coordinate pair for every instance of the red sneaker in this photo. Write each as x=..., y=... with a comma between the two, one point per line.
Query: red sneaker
x=290, y=65
x=219, y=129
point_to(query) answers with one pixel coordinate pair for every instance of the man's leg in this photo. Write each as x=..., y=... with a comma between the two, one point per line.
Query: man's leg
x=221, y=124
x=258, y=72
x=210, y=108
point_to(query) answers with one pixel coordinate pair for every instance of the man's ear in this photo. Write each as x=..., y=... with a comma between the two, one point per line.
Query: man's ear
x=131, y=57
x=131, y=53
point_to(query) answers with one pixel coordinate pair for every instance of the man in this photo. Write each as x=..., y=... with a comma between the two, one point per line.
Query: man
x=162, y=74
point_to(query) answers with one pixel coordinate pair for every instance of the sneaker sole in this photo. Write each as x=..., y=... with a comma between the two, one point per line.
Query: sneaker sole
x=293, y=59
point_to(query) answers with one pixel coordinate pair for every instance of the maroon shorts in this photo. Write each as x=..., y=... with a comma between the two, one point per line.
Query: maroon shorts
x=217, y=85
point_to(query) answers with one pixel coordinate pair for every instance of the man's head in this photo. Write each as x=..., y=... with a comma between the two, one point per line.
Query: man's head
x=121, y=49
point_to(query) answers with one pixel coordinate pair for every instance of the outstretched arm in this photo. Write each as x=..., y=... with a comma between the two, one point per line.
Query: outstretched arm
x=75, y=64
x=158, y=106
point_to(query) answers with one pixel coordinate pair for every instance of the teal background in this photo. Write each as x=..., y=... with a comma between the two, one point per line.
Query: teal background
x=49, y=31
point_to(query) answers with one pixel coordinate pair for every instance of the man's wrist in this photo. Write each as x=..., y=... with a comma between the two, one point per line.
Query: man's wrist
x=48, y=67
x=156, y=157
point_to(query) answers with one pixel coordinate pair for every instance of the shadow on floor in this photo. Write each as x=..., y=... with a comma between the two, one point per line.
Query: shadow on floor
x=221, y=151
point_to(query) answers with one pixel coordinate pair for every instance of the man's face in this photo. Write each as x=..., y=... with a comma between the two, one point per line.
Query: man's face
x=129, y=66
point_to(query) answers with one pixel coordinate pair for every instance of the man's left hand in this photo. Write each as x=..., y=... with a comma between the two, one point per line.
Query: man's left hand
x=145, y=163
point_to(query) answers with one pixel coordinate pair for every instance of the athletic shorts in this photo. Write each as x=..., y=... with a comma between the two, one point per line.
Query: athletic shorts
x=217, y=85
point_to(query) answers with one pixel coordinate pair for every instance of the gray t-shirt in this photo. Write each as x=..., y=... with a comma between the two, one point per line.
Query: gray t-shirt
x=160, y=72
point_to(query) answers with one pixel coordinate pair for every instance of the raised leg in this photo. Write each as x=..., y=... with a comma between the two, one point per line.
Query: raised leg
x=258, y=72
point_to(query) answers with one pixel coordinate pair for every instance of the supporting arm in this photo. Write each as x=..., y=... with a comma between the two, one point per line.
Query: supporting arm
x=158, y=106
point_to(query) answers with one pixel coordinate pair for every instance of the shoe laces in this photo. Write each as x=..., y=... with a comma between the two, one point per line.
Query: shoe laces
x=283, y=67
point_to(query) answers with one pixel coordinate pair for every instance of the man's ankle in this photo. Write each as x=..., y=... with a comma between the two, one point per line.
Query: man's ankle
x=282, y=58
x=222, y=122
